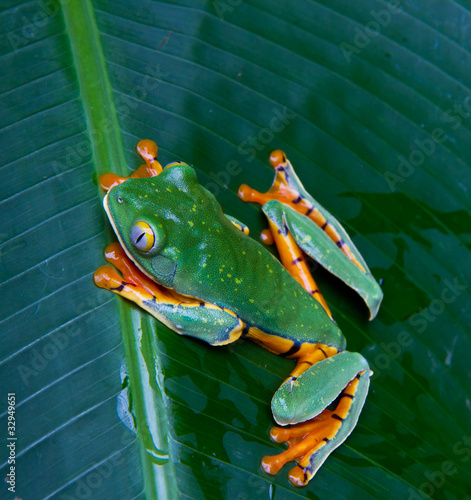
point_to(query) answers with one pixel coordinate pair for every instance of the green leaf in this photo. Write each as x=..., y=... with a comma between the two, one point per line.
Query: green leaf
x=371, y=102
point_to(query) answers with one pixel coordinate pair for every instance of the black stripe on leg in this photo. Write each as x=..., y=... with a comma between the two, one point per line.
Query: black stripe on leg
x=298, y=199
x=323, y=352
x=340, y=243
x=283, y=231
x=337, y=417
x=120, y=287
x=299, y=259
x=309, y=212
x=346, y=395
x=293, y=350
x=325, y=225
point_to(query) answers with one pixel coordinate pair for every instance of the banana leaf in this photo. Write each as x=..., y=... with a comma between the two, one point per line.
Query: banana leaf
x=371, y=102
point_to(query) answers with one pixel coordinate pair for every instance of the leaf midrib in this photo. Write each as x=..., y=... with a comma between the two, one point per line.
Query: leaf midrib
x=108, y=155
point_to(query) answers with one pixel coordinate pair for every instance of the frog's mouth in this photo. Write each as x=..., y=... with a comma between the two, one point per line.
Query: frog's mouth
x=120, y=239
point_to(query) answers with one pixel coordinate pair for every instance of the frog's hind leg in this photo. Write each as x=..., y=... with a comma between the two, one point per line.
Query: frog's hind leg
x=294, y=260
x=184, y=315
x=315, y=230
x=288, y=189
x=311, y=239
x=147, y=149
x=303, y=400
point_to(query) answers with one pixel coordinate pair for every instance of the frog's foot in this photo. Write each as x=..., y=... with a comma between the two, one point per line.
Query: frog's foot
x=185, y=315
x=147, y=149
x=311, y=438
x=287, y=189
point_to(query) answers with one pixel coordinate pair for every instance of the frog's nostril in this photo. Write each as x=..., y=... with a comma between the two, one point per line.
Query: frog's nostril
x=120, y=200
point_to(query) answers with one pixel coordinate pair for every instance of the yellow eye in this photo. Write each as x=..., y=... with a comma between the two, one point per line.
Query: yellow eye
x=142, y=236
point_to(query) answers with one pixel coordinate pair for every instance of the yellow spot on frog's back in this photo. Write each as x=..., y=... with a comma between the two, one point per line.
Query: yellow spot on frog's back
x=229, y=275
x=238, y=281
x=251, y=300
x=191, y=223
x=169, y=190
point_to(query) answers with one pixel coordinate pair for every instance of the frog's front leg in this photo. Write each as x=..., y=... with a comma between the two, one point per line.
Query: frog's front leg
x=290, y=209
x=184, y=315
x=319, y=379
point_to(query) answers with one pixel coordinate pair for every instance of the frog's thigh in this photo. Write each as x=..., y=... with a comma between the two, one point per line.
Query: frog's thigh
x=344, y=376
x=316, y=243
x=291, y=255
x=200, y=319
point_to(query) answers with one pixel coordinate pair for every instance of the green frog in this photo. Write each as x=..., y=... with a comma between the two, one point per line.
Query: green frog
x=196, y=270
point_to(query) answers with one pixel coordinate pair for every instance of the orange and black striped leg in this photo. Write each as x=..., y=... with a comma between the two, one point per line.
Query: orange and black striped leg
x=147, y=149
x=287, y=189
x=133, y=284
x=312, y=439
x=209, y=322
x=294, y=260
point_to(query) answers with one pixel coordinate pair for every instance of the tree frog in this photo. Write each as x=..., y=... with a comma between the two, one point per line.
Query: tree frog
x=197, y=271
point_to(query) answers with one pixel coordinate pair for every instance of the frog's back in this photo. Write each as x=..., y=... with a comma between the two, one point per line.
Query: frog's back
x=230, y=269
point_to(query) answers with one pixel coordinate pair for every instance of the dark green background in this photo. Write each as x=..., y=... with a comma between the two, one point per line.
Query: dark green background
x=204, y=79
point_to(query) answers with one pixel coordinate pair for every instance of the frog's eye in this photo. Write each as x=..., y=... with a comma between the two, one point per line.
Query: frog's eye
x=142, y=236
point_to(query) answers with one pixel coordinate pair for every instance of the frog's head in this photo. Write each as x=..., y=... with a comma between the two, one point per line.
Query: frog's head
x=139, y=210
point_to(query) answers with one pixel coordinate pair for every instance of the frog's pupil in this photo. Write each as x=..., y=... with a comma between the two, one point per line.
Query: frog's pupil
x=139, y=238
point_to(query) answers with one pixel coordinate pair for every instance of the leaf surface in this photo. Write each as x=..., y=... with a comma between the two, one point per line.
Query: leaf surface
x=370, y=100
